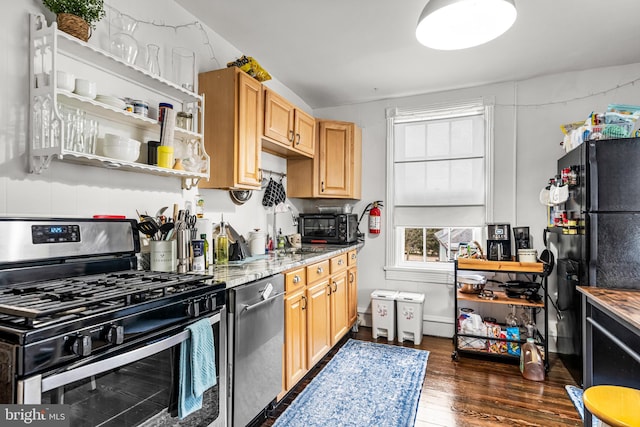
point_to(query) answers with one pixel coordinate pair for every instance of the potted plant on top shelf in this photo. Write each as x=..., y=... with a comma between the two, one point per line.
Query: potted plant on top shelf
x=76, y=17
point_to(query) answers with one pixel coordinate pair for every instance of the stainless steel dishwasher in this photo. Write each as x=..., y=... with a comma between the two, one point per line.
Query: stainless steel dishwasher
x=256, y=335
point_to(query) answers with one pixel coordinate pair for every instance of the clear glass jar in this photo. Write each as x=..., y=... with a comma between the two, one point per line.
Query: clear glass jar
x=184, y=120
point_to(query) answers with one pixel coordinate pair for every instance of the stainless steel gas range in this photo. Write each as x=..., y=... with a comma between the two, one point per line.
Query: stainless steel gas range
x=80, y=325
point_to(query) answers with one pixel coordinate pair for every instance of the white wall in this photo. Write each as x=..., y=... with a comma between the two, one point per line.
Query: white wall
x=526, y=149
x=72, y=190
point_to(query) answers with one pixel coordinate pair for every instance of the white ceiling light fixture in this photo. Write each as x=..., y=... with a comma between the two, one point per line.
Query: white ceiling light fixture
x=459, y=24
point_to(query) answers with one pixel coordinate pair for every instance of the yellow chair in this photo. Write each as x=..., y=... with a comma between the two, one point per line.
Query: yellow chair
x=614, y=406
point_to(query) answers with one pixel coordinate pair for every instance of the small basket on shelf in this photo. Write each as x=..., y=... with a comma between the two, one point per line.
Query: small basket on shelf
x=73, y=25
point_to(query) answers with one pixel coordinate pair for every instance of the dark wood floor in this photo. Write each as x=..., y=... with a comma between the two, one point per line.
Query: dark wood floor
x=475, y=392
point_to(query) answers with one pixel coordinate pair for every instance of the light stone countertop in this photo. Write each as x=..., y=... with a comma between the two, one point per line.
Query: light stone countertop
x=255, y=268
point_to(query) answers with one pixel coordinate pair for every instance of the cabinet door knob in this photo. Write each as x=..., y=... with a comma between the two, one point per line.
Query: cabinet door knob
x=335, y=287
x=292, y=136
x=298, y=139
x=322, y=186
x=328, y=288
x=304, y=302
x=351, y=277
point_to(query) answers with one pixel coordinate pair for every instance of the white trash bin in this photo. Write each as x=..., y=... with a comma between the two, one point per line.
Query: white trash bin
x=409, y=312
x=383, y=310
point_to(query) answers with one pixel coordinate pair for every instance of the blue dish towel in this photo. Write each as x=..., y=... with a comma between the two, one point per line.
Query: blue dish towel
x=197, y=367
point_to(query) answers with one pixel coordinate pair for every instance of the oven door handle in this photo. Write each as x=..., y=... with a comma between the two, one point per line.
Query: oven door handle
x=34, y=387
x=248, y=307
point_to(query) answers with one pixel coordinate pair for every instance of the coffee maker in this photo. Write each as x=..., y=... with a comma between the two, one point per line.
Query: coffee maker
x=499, y=242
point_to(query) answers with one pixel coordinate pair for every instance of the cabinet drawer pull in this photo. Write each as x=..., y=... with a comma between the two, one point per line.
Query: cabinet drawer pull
x=320, y=270
x=340, y=261
x=296, y=279
x=353, y=256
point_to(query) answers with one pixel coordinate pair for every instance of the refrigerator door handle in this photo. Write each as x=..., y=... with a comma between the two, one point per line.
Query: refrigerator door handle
x=592, y=164
x=593, y=249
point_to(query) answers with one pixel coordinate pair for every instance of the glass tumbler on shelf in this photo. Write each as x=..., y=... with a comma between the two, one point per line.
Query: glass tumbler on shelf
x=90, y=136
x=512, y=318
x=153, y=61
x=183, y=62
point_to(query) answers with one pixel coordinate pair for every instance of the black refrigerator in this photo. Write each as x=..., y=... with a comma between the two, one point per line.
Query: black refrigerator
x=605, y=251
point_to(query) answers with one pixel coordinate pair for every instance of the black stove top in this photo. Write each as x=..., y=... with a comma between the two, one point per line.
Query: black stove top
x=38, y=303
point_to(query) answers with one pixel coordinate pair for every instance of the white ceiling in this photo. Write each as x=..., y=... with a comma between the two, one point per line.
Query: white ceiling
x=337, y=52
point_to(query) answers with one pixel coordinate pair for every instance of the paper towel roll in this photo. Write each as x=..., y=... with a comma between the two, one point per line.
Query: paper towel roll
x=168, y=128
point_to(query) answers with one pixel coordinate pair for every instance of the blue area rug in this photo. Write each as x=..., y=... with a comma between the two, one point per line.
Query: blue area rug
x=575, y=394
x=365, y=384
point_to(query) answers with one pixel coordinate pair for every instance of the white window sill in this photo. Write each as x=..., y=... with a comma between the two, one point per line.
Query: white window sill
x=442, y=275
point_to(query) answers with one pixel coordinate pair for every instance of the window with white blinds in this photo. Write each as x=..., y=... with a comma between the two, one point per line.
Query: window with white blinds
x=438, y=179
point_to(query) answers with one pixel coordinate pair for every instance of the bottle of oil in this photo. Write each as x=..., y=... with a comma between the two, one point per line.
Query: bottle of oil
x=222, y=246
x=206, y=251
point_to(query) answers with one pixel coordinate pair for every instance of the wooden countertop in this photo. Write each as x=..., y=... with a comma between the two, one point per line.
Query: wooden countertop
x=624, y=303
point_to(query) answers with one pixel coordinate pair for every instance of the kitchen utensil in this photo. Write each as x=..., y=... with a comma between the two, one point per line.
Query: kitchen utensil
x=161, y=211
x=471, y=284
x=149, y=226
x=471, y=288
x=164, y=230
x=240, y=197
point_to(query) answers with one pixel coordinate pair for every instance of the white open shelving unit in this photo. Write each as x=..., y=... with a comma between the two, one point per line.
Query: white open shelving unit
x=47, y=129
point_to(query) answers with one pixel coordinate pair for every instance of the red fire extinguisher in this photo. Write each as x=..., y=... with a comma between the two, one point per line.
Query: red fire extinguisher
x=374, y=219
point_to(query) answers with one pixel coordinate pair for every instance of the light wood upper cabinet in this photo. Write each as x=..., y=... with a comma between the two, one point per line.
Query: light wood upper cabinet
x=288, y=131
x=336, y=169
x=233, y=118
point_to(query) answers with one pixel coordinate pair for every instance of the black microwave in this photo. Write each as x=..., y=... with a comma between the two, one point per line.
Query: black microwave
x=338, y=229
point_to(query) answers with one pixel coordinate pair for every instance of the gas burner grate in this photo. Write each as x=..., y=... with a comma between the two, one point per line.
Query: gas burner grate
x=40, y=299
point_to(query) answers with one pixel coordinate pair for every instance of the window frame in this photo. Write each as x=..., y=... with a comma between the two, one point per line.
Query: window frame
x=435, y=272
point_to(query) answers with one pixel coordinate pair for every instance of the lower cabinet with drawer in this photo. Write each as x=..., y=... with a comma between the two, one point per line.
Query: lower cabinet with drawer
x=318, y=313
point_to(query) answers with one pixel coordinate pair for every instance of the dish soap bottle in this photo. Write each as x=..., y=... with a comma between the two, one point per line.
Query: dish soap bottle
x=531, y=363
x=222, y=246
x=281, y=241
